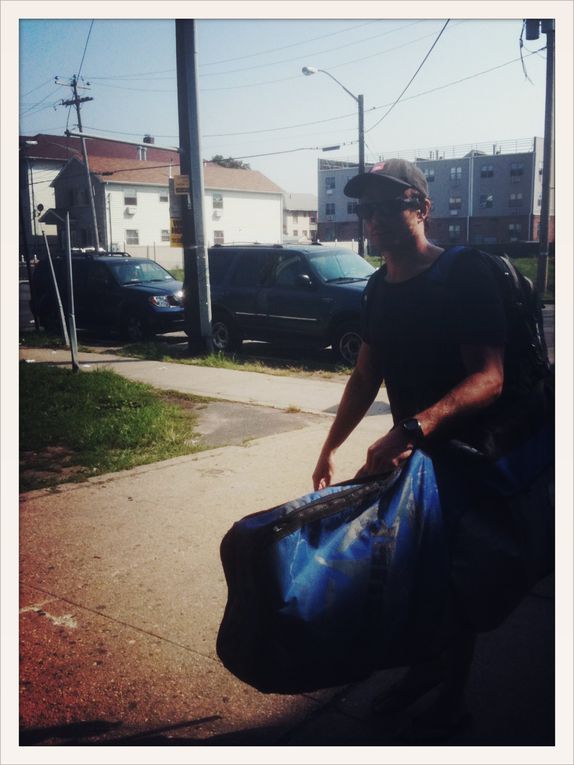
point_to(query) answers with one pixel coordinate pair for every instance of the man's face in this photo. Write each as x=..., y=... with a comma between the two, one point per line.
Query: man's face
x=389, y=223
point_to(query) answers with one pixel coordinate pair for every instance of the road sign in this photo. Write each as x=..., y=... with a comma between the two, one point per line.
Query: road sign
x=181, y=184
x=175, y=232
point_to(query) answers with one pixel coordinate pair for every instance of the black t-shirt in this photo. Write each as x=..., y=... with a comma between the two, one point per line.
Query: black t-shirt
x=416, y=328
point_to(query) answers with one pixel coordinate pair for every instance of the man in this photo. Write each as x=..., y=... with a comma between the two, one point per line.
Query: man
x=441, y=356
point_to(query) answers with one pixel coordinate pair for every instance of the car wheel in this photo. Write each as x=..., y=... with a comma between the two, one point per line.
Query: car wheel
x=135, y=329
x=346, y=342
x=224, y=335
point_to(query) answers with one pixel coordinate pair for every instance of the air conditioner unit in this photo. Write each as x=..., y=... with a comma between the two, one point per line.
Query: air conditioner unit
x=130, y=210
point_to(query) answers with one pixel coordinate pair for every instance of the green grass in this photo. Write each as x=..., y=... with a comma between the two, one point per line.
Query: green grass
x=96, y=422
x=177, y=273
x=156, y=350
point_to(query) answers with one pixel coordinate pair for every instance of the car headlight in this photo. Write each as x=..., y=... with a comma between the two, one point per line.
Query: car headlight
x=160, y=301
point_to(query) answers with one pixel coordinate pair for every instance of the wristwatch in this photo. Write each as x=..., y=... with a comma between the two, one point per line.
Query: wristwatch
x=411, y=427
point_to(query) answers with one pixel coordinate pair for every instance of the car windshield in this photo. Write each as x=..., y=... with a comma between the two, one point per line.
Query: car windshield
x=139, y=272
x=341, y=265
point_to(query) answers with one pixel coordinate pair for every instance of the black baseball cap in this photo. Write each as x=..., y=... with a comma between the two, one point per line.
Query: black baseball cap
x=391, y=175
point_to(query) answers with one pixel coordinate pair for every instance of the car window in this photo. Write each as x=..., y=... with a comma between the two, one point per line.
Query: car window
x=341, y=264
x=219, y=263
x=252, y=269
x=99, y=276
x=289, y=267
x=139, y=272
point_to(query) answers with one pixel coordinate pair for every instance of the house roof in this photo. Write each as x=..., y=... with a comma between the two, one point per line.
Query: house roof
x=300, y=202
x=61, y=148
x=141, y=172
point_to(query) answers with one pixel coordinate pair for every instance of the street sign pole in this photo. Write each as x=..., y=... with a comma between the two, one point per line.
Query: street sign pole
x=71, y=314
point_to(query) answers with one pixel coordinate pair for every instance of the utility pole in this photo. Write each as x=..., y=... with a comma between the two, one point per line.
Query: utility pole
x=533, y=27
x=195, y=261
x=76, y=101
x=361, y=238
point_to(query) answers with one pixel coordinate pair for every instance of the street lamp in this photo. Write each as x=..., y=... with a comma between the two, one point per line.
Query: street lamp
x=309, y=70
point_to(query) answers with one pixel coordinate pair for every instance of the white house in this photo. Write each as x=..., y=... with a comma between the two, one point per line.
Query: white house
x=299, y=217
x=132, y=206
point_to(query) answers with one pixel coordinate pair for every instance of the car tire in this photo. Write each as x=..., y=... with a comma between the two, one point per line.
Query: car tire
x=224, y=335
x=346, y=342
x=135, y=328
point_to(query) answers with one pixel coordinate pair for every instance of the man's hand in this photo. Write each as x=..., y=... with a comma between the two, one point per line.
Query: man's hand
x=324, y=471
x=386, y=454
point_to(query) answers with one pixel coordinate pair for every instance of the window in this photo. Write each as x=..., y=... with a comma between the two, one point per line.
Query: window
x=351, y=208
x=453, y=232
x=515, y=200
x=130, y=197
x=516, y=169
x=99, y=276
x=165, y=235
x=251, y=270
x=455, y=173
x=217, y=201
x=428, y=173
x=142, y=152
x=132, y=236
x=454, y=205
x=487, y=171
x=218, y=237
x=295, y=232
x=163, y=196
x=486, y=200
x=330, y=184
x=305, y=234
x=289, y=267
x=295, y=218
x=330, y=208
x=313, y=217
x=514, y=231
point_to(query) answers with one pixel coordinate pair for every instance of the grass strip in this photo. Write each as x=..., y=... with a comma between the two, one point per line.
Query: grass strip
x=96, y=421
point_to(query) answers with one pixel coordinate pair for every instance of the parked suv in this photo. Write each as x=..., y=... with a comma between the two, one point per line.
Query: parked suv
x=295, y=294
x=113, y=291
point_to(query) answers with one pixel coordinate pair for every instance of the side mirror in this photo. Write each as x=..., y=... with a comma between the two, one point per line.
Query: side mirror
x=303, y=280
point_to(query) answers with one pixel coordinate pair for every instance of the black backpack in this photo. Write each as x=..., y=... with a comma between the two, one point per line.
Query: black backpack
x=526, y=354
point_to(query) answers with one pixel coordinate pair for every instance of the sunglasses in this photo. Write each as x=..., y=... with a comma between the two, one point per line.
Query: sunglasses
x=387, y=207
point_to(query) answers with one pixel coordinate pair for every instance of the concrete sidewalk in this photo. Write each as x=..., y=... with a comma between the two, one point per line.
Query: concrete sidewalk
x=122, y=593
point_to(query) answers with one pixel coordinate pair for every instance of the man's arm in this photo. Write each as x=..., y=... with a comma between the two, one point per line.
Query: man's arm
x=359, y=394
x=480, y=388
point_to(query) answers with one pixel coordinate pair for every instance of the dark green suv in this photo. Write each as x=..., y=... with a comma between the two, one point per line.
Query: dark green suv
x=112, y=291
x=292, y=294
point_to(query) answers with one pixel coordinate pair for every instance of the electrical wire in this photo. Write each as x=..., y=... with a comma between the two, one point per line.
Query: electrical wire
x=316, y=53
x=336, y=66
x=23, y=95
x=332, y=119
x=85, y=48
x=411, y=80
x=521, y=46
x=291, y=45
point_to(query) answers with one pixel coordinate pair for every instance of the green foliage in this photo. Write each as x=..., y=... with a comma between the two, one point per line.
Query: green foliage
x=103, y=421
x=219, y=159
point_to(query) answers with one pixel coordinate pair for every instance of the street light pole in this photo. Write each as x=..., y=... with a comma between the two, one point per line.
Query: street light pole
x=308, y=70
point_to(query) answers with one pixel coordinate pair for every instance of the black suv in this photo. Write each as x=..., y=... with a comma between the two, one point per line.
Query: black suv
x=293, y=294
x=112, y=291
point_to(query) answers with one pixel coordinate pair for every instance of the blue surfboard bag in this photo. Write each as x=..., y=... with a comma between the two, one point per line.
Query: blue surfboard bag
x=325, y=589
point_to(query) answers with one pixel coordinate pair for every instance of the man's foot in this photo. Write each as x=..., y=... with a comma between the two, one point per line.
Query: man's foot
x=418, y=681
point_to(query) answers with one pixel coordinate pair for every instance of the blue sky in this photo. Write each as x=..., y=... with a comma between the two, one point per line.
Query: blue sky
x=254, y=99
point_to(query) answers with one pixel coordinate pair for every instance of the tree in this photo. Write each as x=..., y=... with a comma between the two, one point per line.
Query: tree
x=219, y=159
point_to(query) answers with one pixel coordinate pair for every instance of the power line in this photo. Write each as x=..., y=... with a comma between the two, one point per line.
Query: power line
x=336, y=66
x=307, y=55
x=410, y=81
x=85, y=48
x=284, y=47
x=23, y=95
x=343, y=116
